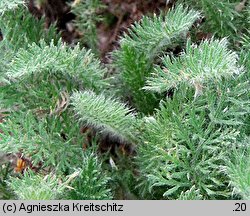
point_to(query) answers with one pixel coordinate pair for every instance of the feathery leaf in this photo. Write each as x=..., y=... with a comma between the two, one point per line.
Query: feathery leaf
x=107, y=115
x=7, y=5
x=209, y=61
x=43, y=58
x=146, y=39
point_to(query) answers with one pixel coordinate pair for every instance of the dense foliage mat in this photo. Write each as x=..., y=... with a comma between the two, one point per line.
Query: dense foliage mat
x=165, y=115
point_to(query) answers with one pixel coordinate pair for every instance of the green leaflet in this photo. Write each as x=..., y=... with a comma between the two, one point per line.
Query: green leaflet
x=6, y=5
x=53, y=58
x=197, y=65
x=107, y=115
x=144, y=41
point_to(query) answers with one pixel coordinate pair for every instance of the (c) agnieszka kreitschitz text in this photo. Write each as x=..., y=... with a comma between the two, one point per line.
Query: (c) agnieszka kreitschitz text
x=75, y=207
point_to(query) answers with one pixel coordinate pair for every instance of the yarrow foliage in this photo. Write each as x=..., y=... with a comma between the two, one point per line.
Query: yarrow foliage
x=53, y=58
x=152, y=34
x=139, y=47
x=208, y=62
x=6, y=5
x=169, y=118
x=107, y=115
x=87, y=17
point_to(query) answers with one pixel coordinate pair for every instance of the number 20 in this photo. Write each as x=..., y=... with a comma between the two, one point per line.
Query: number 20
x=240, y=207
